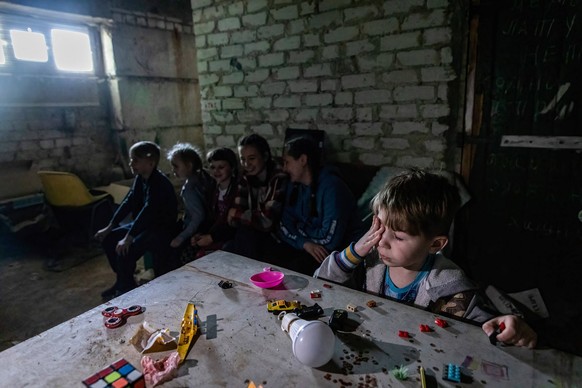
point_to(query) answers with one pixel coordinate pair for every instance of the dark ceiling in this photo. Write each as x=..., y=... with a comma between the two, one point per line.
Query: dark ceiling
x=179, y=9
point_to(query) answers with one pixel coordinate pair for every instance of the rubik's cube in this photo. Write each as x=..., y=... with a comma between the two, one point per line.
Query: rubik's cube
x=117, y=375
x=452, y=373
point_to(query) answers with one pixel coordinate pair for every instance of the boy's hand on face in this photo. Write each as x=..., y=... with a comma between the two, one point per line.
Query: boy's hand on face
x=516, y=331
x=370, y=239
x=318, y=252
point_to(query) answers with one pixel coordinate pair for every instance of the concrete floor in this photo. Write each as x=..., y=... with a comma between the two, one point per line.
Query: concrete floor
x=33, y=298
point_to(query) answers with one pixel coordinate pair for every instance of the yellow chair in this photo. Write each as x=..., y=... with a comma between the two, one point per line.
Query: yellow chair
x=68, y=196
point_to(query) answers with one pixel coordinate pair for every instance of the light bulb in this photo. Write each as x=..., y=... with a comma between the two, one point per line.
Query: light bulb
x=313, y=341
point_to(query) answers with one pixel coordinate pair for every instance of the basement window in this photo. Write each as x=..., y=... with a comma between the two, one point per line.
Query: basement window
x=29, y=46
x=36, y=47
x=72, y=50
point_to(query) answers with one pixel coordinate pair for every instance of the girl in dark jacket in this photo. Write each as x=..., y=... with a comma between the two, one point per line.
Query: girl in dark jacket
x=319, y=214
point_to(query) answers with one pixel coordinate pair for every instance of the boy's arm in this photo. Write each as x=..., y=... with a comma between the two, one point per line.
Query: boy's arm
x=460, y=304
x=122, y=211
x=160, y=205
x=516, y=331
x=125, y=207
x=339, y=266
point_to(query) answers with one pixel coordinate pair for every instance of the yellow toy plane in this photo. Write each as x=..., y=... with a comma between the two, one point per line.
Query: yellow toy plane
x=188, y=330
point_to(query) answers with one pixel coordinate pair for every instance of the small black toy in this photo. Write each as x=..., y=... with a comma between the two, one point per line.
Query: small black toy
x=225, y=284
x=338, y=319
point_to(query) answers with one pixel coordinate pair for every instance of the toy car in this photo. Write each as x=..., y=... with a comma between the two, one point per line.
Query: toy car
x=337, y=319
x=309, y=312
x=277, y=306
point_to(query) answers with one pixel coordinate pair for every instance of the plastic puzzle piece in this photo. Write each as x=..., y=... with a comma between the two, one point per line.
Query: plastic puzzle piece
x=315, y=294
x=440, y=322
x=352, y=307
x=496, y=332
x=403, y=334
x=371, y=303
x=452, y=372
x=425, y=328
x=400, y=372
x=327, y=285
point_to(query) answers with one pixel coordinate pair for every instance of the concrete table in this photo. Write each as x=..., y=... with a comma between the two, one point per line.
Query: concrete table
x=242, y=342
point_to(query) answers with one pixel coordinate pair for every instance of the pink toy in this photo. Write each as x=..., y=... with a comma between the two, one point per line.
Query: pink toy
x=268, y=278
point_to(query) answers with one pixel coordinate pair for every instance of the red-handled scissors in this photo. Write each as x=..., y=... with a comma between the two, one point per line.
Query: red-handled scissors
x=117, y=316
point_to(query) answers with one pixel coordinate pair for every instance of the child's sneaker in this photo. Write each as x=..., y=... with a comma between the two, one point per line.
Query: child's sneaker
x=144, y=276
x=110, y=292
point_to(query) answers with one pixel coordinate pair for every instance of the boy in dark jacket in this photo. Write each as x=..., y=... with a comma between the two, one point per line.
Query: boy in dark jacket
x=153, y=205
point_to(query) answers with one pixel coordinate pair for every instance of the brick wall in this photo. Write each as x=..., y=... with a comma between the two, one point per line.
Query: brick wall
x=73, y=139
x=157, y=77
x=377, y=76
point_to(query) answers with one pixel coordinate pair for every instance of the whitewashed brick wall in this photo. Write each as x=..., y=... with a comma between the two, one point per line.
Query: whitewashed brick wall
x=375, y=75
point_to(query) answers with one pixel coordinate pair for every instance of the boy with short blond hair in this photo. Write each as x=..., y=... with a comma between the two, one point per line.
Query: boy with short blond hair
x=400, y=256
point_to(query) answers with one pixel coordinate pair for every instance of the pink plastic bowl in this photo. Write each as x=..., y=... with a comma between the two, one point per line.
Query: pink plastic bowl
x=267, y=279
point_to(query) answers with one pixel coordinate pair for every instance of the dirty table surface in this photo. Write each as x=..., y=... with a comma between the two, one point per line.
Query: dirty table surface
x=242, y=342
